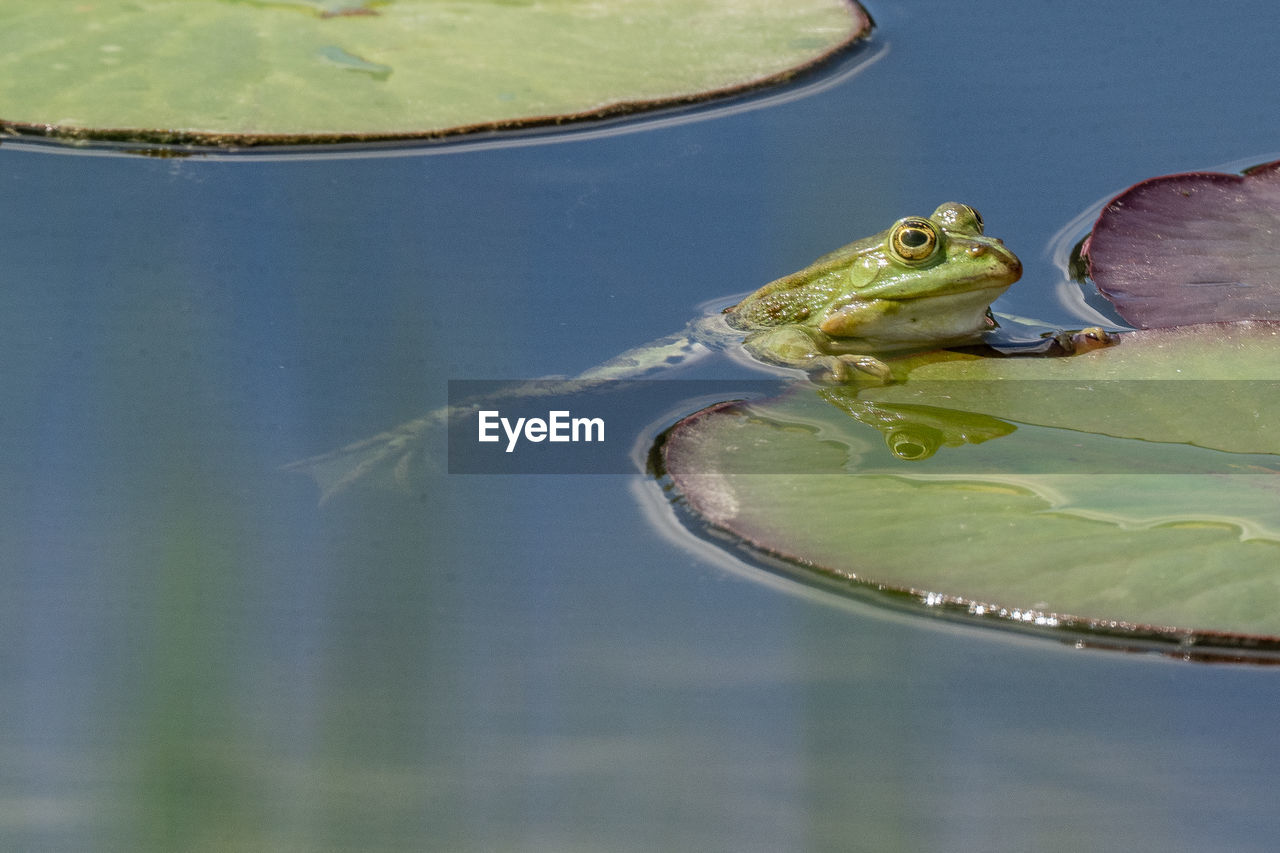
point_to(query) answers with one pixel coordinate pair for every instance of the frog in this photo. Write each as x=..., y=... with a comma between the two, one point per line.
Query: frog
x=926, y=282
x=922, y=282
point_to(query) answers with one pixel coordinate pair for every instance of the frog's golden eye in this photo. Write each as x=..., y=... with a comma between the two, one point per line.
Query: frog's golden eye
x=914, y=240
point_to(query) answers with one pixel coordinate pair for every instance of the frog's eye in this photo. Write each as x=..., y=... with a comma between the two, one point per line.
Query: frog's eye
x=914, y=240
x=955, y=216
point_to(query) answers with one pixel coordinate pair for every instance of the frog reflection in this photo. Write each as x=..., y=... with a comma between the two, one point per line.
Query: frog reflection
x=914, y=432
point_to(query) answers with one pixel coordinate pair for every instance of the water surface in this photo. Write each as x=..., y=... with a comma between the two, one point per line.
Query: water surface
x=199, y=656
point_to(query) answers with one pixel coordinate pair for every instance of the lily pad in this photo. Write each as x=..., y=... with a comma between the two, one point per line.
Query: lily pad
x=1049, y=495
x=250, y=72
x=1191, y=248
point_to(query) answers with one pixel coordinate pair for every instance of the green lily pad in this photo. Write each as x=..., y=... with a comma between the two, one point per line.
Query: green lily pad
x=257, y=72
x=1130, y=495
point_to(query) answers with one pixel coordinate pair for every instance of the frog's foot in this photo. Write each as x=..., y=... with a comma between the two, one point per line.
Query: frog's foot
x=850, y=369
x=1084, y=340
x=388, y=459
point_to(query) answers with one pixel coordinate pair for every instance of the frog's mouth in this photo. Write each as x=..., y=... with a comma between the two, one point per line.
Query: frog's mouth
x=998, y=274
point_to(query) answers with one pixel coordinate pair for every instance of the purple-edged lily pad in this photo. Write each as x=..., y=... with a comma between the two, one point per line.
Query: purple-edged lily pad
x=1127, y=496
x=1191, y=248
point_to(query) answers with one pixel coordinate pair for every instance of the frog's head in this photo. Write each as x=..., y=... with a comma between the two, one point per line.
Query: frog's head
x=924, y=280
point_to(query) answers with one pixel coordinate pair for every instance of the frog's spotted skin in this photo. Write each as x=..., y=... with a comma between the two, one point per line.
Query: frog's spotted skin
x=923, y=282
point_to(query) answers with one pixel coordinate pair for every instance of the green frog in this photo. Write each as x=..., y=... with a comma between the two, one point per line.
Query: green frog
x=923, y=282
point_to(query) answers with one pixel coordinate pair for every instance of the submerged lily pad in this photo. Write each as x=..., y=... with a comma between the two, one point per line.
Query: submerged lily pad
x=1096, y=498
x=1191, y=248
x=258, y=71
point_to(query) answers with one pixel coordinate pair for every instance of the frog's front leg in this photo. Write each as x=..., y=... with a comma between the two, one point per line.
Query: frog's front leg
x=797, y=346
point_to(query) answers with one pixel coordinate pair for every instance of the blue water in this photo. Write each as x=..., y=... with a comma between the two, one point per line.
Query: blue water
x=196, y=655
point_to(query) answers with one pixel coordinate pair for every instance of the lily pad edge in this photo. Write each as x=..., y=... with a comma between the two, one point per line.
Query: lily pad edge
x=172, y=142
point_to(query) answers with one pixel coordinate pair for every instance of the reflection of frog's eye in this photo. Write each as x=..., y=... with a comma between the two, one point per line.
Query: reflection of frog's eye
x=914, y=442
x=914, y=240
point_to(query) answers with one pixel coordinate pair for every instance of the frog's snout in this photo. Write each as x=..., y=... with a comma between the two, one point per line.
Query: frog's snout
x=998, y=262
x=1014, y=265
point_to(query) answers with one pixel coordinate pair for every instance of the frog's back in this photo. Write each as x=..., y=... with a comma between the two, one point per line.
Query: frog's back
x=790, y=299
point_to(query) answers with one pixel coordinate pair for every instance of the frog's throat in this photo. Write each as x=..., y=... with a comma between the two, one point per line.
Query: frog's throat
x=907, y=322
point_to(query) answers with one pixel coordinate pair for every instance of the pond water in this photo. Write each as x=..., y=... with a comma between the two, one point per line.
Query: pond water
x=199, y=655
